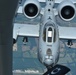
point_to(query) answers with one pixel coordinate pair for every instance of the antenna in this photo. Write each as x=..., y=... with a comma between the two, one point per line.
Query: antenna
x=50, y=2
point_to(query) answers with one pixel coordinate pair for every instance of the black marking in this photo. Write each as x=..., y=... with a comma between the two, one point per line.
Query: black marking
x=49, y=18
x=57, y=70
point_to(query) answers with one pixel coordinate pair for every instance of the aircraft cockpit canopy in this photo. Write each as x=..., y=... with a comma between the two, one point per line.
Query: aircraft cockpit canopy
x=49, y=34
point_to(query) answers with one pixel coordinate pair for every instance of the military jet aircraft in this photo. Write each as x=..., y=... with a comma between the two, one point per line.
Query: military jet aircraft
x=66, y=11
x=48, y=31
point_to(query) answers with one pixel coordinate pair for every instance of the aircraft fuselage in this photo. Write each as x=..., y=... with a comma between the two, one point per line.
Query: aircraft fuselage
x=48, y=52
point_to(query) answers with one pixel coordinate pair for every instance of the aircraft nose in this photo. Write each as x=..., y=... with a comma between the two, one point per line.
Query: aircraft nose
x=48, y=60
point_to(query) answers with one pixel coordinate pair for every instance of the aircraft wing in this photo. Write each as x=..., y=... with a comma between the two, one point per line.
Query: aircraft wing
x=57, y=1
x=33, y=31
x=25, y=30
x=67, y=32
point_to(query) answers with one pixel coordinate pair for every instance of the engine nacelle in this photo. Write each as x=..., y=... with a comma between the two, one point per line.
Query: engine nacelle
x=66, y=10
x=31, y=8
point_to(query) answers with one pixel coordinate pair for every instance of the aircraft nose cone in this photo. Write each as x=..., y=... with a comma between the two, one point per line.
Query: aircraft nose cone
x=48, y=61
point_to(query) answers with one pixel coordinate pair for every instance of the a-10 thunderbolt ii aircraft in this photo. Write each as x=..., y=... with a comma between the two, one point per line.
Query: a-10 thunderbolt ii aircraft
x=47, y=30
